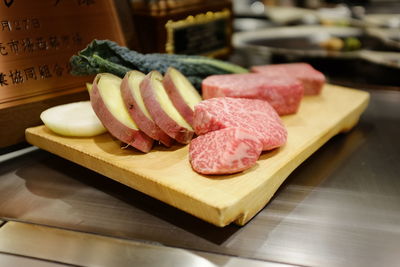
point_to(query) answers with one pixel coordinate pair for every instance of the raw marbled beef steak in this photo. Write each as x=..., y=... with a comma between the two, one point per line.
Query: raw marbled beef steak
x=225, y=151
x=312, y=79
x=283, y=92
x=256, y=116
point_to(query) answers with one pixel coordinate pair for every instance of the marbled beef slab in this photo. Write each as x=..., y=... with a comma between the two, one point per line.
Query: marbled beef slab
x=225, y=151
x=283, y=92
x=256, y=116
x=312, y=79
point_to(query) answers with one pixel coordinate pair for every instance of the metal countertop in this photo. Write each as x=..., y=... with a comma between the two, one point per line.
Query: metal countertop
x=340, y=207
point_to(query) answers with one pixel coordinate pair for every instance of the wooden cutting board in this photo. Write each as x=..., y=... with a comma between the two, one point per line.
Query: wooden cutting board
x=166, y=174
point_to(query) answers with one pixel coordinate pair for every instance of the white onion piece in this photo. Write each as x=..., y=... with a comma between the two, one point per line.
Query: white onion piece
x=74, y=119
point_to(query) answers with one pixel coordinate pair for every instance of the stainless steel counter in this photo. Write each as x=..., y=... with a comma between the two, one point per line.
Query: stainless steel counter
x=13, y=260
x=341, y=207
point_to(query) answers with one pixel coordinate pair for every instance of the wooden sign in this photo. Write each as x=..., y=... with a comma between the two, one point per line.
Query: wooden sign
x=37, y=40
x=206, y=34
x=191, y=27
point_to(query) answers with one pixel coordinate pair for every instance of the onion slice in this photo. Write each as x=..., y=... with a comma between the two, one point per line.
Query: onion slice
x=74, y=119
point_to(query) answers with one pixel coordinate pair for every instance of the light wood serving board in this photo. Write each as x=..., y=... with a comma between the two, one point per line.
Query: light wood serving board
x=166, y=174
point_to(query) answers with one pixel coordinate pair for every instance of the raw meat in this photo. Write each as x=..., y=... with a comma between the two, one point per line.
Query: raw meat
x=312, y=79
x=256, y=116
x=283, y=92
x=225, y=151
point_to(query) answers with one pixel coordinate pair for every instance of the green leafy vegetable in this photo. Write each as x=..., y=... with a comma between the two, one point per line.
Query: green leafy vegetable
x=107, y=56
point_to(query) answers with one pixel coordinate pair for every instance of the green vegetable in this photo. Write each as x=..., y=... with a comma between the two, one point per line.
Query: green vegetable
x=107, y=56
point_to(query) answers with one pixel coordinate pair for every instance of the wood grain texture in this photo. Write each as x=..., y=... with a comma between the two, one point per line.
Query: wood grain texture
x=166, y=174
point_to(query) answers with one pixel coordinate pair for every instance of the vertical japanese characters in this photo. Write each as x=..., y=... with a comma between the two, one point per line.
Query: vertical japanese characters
x=32, y=45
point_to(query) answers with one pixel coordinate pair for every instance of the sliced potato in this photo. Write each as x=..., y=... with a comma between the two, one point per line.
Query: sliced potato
x=161, y=109
x=74, y=119
x=130, y=91
x=89, y=87
x=107, y=103
x=182, y=93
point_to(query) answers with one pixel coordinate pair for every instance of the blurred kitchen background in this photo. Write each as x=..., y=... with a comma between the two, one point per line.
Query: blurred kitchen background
x=355, y=42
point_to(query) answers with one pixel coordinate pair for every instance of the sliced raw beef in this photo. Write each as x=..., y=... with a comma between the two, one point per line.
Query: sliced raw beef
x=283, y=92
x=256, y=116
x=225, y=151
x=312, y=79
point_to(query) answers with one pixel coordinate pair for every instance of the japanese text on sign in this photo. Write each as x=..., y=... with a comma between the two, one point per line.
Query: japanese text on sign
x=44, y=71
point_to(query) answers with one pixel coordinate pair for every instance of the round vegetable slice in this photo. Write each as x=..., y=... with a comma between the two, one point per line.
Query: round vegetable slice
x=74, y=119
